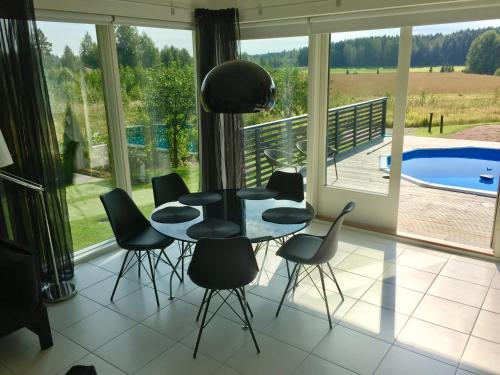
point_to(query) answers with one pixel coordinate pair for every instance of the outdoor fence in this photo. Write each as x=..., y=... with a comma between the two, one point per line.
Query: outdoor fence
x=348, y=127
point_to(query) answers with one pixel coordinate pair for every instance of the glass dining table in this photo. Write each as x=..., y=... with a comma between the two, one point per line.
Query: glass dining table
x=260, y=216
x=230, y=208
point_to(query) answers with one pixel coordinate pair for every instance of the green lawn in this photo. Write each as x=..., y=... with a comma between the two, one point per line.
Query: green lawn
x=89, y=224
x=447, y=130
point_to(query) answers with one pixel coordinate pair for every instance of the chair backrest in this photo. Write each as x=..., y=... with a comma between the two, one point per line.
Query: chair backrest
x=272, y=156
x=288, y=185
x=124, y=216
x=329, y=246
x=168, y=188
x=226, y=263
x=302, y=147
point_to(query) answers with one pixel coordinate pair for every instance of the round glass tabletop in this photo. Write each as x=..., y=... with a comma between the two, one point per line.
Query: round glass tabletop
x=243, y=212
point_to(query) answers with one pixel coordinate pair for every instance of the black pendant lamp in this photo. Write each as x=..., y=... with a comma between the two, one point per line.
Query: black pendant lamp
x=238, y=86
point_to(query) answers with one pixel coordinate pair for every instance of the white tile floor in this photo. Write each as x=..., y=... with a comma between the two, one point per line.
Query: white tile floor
x=407, y=310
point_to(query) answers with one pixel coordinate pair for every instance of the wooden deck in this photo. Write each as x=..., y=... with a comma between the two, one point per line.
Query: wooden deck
x=434, y=213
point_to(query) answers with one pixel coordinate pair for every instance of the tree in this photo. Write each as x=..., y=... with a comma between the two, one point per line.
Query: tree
x=45, y=45
x=180, y=56
x=170, y=96
x=89, y=53
x=69, y=59
x=149, y=55
x=484, y=53
x=127, y=45
x=291, y=85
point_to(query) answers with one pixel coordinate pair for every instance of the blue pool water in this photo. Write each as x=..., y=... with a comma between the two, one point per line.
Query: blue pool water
x=454, y=168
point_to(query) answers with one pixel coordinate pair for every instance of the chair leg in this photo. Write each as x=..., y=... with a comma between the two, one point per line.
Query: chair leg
x=202, y=326
x=287, y=288
x=152, y=270
x=201, y=306
x=243, y=308
x=243, y=293
x=120, y=274
x=335, y=280
x=43, y=328
x=322, y=277
x=296, y=278
x=335, y=164
x=139, y=263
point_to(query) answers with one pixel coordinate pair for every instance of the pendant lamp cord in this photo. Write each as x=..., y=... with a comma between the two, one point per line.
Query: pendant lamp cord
x=238, y=33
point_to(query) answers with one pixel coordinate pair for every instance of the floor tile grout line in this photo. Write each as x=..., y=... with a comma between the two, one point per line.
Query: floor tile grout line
x=310, y=353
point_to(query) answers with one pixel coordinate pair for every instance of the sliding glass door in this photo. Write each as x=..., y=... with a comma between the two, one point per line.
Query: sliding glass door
x=74, y=78
x=362, y=131
x=156, y=69
x=278, y=139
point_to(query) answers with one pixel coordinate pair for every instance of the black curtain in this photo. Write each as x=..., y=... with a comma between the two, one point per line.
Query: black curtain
x=222, y=163
x=27, y=125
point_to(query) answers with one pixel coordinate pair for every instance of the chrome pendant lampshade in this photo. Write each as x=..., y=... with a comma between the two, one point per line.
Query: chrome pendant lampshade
x=238, y=86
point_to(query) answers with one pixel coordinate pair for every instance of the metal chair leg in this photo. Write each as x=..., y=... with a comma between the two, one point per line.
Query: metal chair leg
x=201, y=306
x=286, y=289
x=139, y=263
x=335, y=280
x=120, y=274
x=243, y=293
x=324, y=294
x=296, y=283
x=152, y=270
x=243, y=308
x=335, y=164
x=202, y=326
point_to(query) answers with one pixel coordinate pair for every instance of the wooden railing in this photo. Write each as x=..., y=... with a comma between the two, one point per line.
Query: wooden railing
x=348, y=127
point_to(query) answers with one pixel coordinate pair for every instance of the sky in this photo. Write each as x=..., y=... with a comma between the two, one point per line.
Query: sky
x=62, y=34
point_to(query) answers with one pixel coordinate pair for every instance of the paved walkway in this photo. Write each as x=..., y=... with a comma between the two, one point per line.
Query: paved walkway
x=438, y=214
x=445, y=215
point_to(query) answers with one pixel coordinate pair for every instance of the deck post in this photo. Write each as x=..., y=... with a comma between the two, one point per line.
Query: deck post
x=337, y=113
x=257, y=157
x=370, y=123
x=384, y=117
x=289, y=140
x=355, y=127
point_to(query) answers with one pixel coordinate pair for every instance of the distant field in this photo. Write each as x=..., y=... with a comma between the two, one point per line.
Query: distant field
x=424, y=69
x=431, y=83
x=461, y=98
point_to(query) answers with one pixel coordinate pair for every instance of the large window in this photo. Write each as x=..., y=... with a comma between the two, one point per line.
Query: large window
x=278, y=139
x=362, y=84
x=74, y=80
x=158, y=91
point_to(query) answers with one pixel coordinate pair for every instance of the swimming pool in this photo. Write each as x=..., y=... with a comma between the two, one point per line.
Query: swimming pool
x=466, y=169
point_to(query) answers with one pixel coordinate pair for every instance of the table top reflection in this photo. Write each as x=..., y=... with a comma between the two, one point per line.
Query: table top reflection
x=244, y=212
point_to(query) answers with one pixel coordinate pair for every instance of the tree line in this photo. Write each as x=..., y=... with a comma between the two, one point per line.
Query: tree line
x=382, y=51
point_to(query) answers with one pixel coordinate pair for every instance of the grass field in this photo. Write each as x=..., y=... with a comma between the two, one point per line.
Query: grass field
x=447, y=130
x=369, y=70
x=461, y=98
x=88, y=220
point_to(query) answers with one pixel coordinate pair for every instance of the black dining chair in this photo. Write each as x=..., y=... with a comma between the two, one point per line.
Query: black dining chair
x=168, y=188
x=135, y=234
x=302, y=147
x=308, y=252
x=223, y=265
x=279, y=159
x=289, y=186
